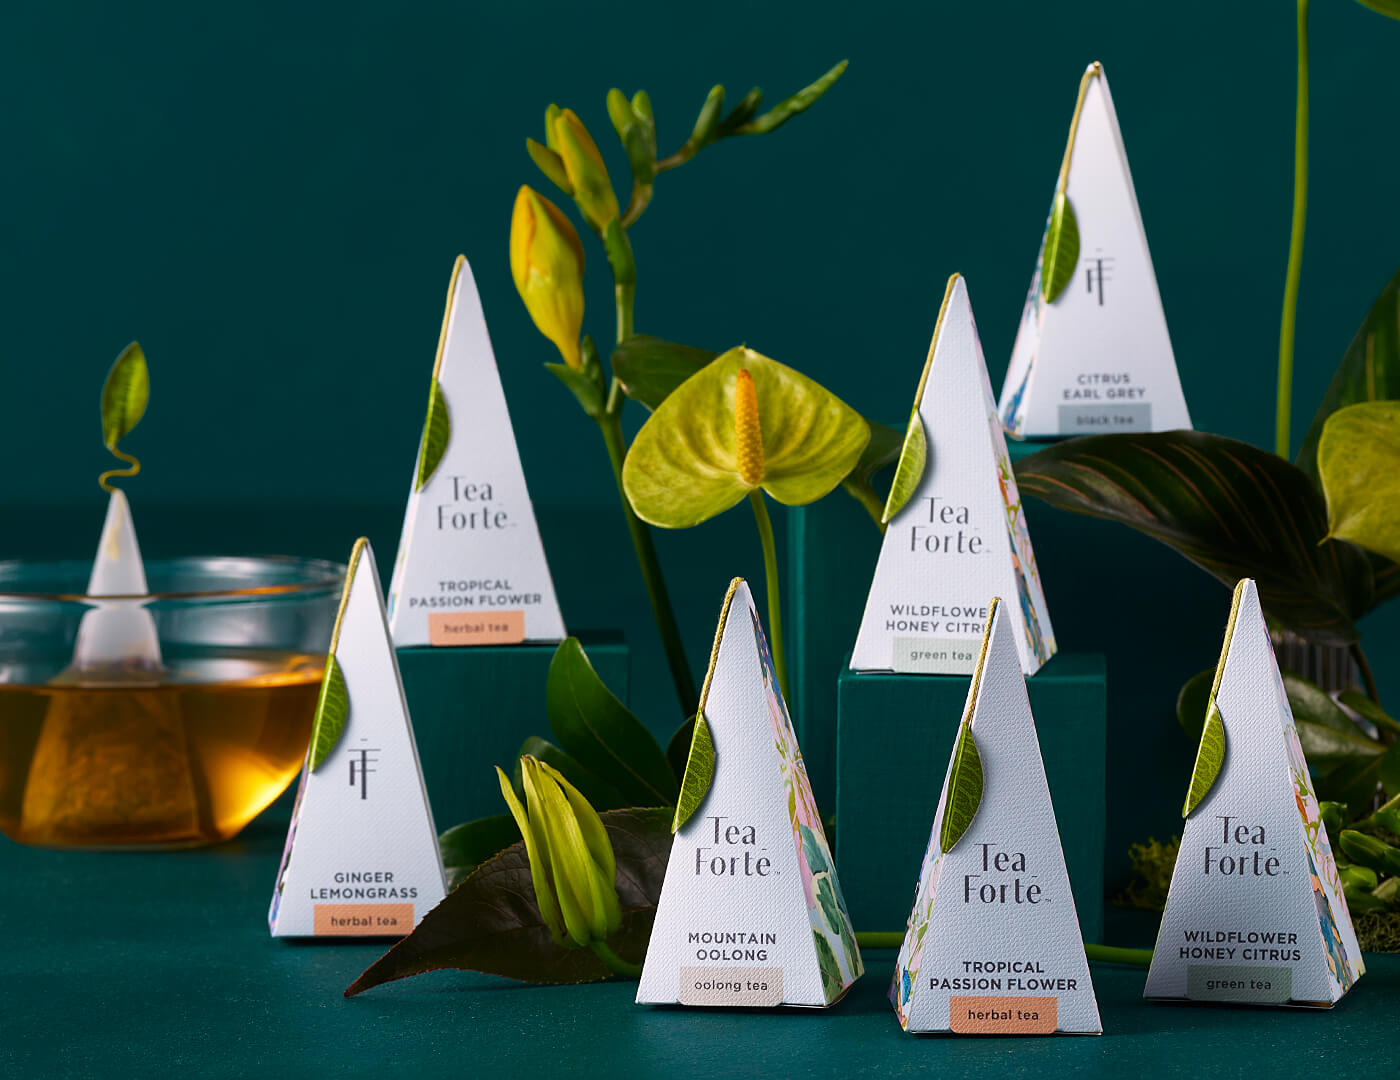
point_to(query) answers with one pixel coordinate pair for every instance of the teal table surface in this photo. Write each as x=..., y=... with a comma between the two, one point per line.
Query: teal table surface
x=160, y=964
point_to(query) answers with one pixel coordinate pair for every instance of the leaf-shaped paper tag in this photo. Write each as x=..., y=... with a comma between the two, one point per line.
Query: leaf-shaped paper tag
x=1358, y=461
x=1060, y=253
x=437, y=431
x=1209, y=758
x=964, y=794
x=124, y=395
x=913, y=456
x=332, y=710
x=699, y=773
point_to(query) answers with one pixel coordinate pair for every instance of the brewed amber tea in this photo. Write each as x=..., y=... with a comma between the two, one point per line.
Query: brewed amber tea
x=187, y=757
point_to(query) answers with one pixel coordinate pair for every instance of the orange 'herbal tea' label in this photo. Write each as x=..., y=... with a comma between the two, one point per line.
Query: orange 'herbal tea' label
x=1002, y=1015
x=476, y=628
x=363, y=920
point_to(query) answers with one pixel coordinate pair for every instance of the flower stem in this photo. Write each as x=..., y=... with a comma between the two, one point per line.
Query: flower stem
x=770, y=573
x=611, y=426
x=1295, y=244
x=1368, y=680
x=615, y=962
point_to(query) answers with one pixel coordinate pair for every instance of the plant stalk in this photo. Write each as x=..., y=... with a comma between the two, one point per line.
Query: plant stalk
x=1295, y=245
x=615, y=963
x=611, y=426
x=1368, y=680
x=770, y=573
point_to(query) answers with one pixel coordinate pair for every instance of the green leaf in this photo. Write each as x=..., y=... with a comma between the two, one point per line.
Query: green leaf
x=884, y=448
x=678, y=748
x=490, y=922
x=812, y=850
x=437, y=430
x=465, y=847
x=1355, y=781
x=1369, y=371
x=1370, y=851
x=1325, y=746
x=586, y=385
x=1193, y=703
x=1310, y=703
x=964, y=794
x=1060, y=252
x=786, y=109
x=1233, y=510
x=649, y=368
x=124, y=395
x=1390, y=8
x=910, y=470
x=1210, y=756
x=699, y=773
x=827, y=900
x=599, y=732
x=1367, y=709
x=551, y=164
x=830, y=968
x=683, y=465
x=599, y=793
x=332, y=710
x=1358, y=461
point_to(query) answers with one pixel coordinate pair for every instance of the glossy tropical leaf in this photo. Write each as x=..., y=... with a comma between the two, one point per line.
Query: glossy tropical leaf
x=1358, y=460
x=885, y=446
x=601, y=734
x=964, y=794
x=1233, y=510
x=1060, y=253
x=466, y=846
x=1369, y=371
x=786, y=109
x=699, y=773
x=332, y=710
x=1309, y=702
x=650, y=368
x=490, y=922
x=1369, y=710
x=913, y=457
x=1390, y=8
x=683, y=465
x=1193, y=703
x=124, y=394
x=1355, y=782
x=600, y=794
x=1325, y=747
x=437, y=431
x=1210, y=756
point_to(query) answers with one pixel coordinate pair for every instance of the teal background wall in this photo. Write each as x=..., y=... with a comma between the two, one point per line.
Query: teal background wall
x=269, y=196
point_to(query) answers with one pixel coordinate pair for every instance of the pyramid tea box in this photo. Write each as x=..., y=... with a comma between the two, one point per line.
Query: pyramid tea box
x=751, y=912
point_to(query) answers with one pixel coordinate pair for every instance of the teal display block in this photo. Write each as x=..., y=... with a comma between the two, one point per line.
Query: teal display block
x=894, y=737
x=473, y=707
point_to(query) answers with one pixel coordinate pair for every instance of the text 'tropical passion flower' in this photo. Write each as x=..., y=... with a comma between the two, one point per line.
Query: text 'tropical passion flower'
x=741, y=423
x=546, y=261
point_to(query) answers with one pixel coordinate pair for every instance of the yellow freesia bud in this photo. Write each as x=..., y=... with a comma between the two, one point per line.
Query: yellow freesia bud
x=748, y=433
x=572, y=866
x=546, y=261
x=587, y=174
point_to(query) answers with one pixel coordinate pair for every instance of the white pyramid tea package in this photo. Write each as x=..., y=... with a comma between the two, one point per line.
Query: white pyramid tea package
x=362, y=856
x=993, y=945
x=1255, y=912
x=471, y=569
x=1092, y=352
x=117, y=633
x=956, y=531
x=750, y=912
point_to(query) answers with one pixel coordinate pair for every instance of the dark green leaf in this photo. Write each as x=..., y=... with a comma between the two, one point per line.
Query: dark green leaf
x=827, y=900
x=649, y=368
x=1309, y=702
x=913, y=456
x=1370, y=851
x=786, y=109
x=437, y=430
x=699, y=773
x=1389, y=8
x=1367, y=709
x=124, y=394
x=1390, y=770
x=1193, y=702
x=678, y=748
x=600, y=794
x=812, y=851
x=1355, y=782
x=551, y=164
x=1234, y=510
x=964, y=793
x=1369, y=371
x=1060, y=252
x=601, y=734
x=830, y=968
x=466, y=846
x=490, y=922
x=590, y=395
x=1325, y=746
x=1210, y=756
x=883, y=449
x=332, y=710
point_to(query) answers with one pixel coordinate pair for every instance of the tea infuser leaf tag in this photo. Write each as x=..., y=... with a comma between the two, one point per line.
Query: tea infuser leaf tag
x=124, y=397
x=913, y=456
x=1210, y=756
x=437, y=431
x=699, y=772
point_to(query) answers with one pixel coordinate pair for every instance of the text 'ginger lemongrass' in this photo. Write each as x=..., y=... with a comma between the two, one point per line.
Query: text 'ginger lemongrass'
x=546, y=261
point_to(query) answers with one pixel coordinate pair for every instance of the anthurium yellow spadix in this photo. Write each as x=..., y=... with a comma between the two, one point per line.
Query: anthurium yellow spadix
x=741, y=423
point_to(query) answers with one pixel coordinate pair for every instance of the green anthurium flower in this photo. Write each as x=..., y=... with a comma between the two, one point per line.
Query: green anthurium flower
x=740, y=424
